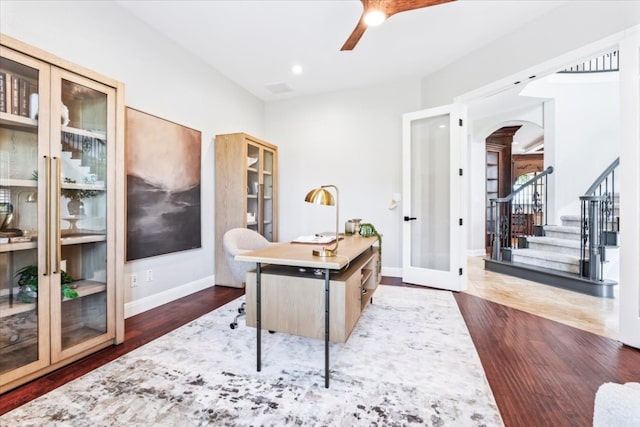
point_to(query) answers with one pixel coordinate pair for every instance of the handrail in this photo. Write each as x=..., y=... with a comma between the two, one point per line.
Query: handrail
x=510, y=197
x=599, y=180
x=601, y=64
x=599, y=225
x=516, y=216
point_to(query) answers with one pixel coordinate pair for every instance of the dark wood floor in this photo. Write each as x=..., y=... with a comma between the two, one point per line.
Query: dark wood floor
x=542, y=373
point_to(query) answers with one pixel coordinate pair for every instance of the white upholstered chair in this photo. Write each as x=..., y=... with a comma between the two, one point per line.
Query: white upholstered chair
x=235, y=242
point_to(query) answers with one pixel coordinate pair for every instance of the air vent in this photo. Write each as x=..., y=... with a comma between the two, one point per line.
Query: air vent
x=280, y=87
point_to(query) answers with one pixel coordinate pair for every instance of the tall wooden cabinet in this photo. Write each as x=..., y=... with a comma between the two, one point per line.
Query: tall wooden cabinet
x=246, y=192
x=60, y=297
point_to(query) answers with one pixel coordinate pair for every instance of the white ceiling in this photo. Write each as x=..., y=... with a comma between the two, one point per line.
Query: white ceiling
x=255, y=43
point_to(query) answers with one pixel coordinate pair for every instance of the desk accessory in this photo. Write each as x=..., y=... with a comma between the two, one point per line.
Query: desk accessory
x=322, y=196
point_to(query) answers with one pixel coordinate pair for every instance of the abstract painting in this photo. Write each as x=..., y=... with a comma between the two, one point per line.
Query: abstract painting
x=163, y=186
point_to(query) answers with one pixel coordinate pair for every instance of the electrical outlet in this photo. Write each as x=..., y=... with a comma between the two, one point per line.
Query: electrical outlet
x=134, y=280
x=149, y=275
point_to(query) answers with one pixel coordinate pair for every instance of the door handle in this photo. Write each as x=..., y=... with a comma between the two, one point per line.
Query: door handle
x=410, y=218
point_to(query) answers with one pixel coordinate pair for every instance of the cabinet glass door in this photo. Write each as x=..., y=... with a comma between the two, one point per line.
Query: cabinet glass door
x=253, y=187
x=24, y=281
x=268, y=168
x=81, y=297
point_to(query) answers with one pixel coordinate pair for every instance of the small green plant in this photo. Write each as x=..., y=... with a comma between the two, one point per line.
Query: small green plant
x=368, y=230
x=28, y=283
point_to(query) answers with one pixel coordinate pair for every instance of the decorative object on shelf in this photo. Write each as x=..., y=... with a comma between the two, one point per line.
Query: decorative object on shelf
x=251, y=161
x=163, y=186
x=322, y=196
x=33, y=106
x=28, y=284
x=368, y=230
x=65, y=115
x=75, y=206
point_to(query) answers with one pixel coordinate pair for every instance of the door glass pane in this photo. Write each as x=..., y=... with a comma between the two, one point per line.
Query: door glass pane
x=253, y=182
x=83, y=213
x=267, y=178
x=430, y=186
x=19, y=270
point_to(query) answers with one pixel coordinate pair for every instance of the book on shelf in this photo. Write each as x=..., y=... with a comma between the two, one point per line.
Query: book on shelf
x=15, y=92
x=24, y=87
x=15, y=95
x=3, y=92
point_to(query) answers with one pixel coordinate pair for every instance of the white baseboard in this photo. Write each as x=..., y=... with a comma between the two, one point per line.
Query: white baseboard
x=392, y=271
x=476, y=252
x=152, y=301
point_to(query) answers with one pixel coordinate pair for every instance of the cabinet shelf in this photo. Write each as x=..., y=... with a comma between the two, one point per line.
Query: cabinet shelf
x=366, y=274
x=75, y=238
x=83, y=287
x=21, y=122
x=26, y=123
x=99, y=186
x=19, y=183
x=17, y=246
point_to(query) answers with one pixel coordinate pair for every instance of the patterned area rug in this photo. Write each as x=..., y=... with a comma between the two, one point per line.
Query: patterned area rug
x=409, y=361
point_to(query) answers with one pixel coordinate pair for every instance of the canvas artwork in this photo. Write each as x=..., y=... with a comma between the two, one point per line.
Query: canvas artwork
x=163, y=186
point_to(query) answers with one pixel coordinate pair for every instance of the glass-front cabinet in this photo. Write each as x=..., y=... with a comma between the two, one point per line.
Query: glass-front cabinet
x=260, y=176
x=57, y=245
x=246, y=173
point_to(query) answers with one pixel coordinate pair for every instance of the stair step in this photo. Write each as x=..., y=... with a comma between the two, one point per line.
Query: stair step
x=562, y=232
x=555, y=244
x=551, y=260
x=570, y=220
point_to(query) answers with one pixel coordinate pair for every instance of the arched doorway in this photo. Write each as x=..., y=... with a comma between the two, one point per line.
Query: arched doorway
x=511, y=151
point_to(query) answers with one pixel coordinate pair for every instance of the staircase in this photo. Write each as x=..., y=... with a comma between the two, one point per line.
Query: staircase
x=559, y=249
x=581, y=255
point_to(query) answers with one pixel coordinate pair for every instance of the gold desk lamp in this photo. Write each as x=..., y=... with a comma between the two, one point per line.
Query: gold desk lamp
x=322, y=196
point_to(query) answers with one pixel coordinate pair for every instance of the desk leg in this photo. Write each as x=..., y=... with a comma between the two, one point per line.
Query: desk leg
x=326, y=328
x=259, y=315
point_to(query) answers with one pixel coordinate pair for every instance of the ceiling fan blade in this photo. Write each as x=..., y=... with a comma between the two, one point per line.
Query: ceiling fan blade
x=389, y=7
x=355, y=36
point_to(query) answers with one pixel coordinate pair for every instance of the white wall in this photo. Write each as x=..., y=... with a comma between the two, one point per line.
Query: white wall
x=352, y=139
x=587, y=133
x=161, y=79
x=569, y=27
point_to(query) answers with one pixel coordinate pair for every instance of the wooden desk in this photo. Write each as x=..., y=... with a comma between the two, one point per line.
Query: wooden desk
x=355, y=255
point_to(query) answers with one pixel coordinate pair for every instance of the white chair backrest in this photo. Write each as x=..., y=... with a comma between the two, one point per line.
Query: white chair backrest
x=237, y=241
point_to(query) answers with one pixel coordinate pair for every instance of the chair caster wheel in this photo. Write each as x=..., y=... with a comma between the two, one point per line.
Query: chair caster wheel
x=233, y=326
x=272, y=332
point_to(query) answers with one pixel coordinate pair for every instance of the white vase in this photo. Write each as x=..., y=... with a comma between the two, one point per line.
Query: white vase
x=33, y=106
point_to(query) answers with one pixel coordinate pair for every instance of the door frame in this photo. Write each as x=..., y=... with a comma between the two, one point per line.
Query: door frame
x=629, y=311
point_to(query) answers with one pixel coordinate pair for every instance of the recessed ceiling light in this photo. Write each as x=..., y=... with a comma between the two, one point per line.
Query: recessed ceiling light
x=375, y=17
x=296, y=69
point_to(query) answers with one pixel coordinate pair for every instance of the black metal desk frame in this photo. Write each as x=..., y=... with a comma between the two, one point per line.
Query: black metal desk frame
x=259, y=322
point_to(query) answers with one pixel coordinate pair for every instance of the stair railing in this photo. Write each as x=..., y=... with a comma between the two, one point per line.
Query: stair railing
x=522, y=213
x=599, y=223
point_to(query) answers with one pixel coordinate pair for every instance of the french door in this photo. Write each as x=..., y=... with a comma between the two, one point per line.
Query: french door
x=433, y=244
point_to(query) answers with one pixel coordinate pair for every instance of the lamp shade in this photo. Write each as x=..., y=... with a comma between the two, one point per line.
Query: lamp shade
x=320, y=196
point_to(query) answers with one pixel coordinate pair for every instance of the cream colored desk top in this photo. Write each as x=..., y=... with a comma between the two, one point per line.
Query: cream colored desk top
x=299, y=254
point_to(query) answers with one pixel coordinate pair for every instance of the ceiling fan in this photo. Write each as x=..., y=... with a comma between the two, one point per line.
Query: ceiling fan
x=379, y=10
